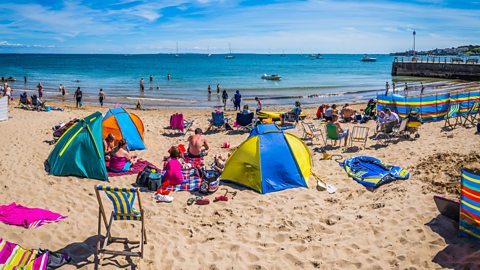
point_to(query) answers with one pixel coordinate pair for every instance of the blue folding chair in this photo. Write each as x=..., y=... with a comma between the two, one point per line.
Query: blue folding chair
x=218, y=121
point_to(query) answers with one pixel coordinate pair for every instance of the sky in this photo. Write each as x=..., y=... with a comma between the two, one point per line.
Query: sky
x=310, y=26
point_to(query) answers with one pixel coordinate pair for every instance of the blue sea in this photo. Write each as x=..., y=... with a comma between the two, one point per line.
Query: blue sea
x=330, y=78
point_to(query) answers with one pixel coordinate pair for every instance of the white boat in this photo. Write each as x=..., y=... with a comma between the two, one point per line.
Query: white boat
x=271, y=77
x=177, y=55
x=367, y=58
x=209, y=54
x=315, y=56
x=230, y=55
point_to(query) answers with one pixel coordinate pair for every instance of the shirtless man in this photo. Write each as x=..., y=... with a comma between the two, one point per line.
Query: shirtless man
x=197, y=145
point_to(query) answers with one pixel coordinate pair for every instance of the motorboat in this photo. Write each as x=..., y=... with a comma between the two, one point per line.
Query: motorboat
x=315, y=56
x=367, y=58
x=271, y=77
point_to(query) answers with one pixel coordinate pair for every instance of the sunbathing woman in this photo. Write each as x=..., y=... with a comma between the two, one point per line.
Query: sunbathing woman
x=108, y=145
x=120, y=159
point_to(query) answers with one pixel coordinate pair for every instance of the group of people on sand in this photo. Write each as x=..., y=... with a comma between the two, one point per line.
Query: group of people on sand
x=120, y=159
x=385, y=117
x=347, y=114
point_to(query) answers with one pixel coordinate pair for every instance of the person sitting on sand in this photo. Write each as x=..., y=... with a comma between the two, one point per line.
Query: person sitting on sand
x=328, y=113
x=24, y=99
x=120, y=159
x=320, y=111
x=296, y=110
x=342, y=133
x=245, y=109
x=108, y=145
x=173, y=168
x=197, y=145
x=347, y=113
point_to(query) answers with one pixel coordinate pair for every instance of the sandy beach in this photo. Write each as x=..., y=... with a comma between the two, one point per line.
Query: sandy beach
x=397, y=226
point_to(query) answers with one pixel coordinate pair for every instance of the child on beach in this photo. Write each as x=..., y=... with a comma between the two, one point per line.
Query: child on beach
x=101, y=97
x=259, y=105
x=245, y=109
x=108, y=145
x=219, y=163
x=173, y=168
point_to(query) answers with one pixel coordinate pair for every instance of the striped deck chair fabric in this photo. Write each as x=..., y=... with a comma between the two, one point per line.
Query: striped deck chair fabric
x=469, y=224
x=453, y=113
x=472, y=114
x=359, y=134
x=13, y=256
x=122, y=200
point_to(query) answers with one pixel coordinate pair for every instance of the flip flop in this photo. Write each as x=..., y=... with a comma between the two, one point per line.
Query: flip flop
x=203, y=201
x=191, y=201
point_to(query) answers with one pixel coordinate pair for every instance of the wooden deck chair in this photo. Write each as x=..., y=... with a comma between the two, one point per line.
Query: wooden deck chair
x=400, y=131
x=311, y=132
x=472, y=114
x=359, y=134
x=332, y=134
x=123, y=200
x=453, y=112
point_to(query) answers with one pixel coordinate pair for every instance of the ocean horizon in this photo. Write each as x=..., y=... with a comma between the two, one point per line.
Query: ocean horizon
x=329, y=78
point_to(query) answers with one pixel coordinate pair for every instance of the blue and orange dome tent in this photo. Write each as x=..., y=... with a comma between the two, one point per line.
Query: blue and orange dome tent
x=124, y=125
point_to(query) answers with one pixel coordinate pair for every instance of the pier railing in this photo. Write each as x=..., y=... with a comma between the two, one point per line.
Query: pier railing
x=438, y=59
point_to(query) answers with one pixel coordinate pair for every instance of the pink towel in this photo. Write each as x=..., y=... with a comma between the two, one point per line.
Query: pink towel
x=176, y=122
x=16, y=214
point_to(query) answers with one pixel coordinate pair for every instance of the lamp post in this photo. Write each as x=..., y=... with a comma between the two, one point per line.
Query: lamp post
x=414, y=34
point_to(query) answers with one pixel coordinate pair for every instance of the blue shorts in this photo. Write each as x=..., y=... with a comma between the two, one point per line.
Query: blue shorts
x=343, y=134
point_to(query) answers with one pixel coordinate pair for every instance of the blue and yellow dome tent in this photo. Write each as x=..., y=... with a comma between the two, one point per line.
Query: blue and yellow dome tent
x=268, y=161
x=124, y=125
x=79, y=151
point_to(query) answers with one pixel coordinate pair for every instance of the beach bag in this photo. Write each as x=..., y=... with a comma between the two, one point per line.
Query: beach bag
x=210, y=181
x=143, y=176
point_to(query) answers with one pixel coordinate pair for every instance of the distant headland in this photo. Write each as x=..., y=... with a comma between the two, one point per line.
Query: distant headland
x=469, y=50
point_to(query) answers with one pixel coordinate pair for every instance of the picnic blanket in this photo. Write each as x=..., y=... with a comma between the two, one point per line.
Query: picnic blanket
x=196, y=162
x=19, y=215
x=191, y=182
x=135, y=169
x=13, y=256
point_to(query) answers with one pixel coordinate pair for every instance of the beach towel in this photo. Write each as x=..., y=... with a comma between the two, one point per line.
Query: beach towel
x=134, y=169
x=191, y=182
x=19, y=215
x=13, y=256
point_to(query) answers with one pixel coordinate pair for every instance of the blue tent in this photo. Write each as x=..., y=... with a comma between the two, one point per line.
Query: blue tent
x=268, y=161
x=124, y=125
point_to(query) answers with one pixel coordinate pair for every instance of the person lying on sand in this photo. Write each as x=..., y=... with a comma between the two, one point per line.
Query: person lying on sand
x=219, y=163
x=197, y=145
x=108, y=145
x=120, y=159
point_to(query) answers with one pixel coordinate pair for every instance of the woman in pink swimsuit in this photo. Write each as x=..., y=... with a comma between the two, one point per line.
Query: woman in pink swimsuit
x=120, y=159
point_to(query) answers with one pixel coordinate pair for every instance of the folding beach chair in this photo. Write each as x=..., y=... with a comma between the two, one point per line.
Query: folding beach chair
x=245, y=121
x=123, y=200
x=387, y=132
x=359, y=134
x=332, y=134
x=218, y=121
x=311, y=132
x=178, y=123
x=400, y=131
x=472, y=114
x=453, y=112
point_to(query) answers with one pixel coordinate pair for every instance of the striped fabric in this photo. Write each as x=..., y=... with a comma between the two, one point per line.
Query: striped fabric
x=454, y=109
x=191, y=182
x=13, y=256
x=122, y=200
x=431, y=108
x=469, y=223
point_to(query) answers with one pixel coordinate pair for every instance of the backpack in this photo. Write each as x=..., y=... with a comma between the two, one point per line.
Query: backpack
x=143, y=176
x=210, y=181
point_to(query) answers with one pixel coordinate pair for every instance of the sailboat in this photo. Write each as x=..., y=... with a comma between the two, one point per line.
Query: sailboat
x=208, y=50
x=229, y=56
x=177, y=55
